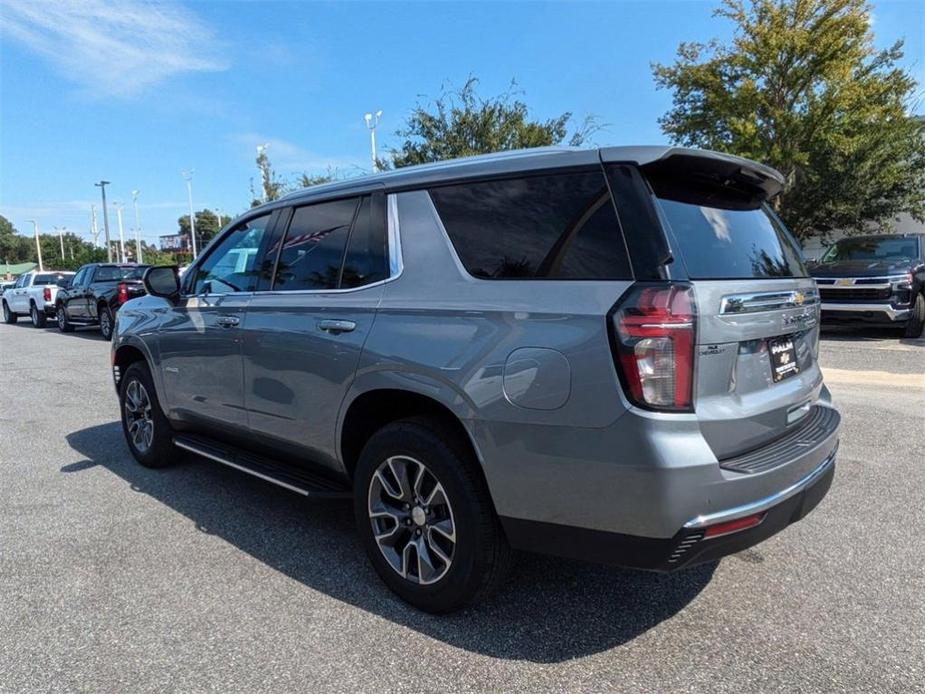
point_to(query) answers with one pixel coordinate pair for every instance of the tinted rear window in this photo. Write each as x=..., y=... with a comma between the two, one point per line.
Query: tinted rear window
x=48, y=279
x=109, y=273
x=559, y=226
x=733, y=239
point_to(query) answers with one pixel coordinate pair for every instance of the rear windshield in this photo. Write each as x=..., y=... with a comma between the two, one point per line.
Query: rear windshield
x=728, y=240
x=872, y=249
x=112, y=272
x=49, y=279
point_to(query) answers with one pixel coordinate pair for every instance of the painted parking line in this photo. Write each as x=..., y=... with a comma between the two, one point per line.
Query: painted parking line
x=874, y=378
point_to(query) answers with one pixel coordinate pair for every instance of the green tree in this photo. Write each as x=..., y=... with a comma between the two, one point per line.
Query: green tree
x=208, y=225
x=461, y=123
x=14, y=248
x=802, y=88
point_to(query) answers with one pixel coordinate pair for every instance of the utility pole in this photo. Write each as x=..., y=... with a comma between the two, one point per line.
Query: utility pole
x=60, y=238
x=119, y=206
x=138, y=259
x=372, y=120
x=38, y=246
x=94, y=230
x=102, y=186
x=188, y=176
x=218, y=216
x=260, y=152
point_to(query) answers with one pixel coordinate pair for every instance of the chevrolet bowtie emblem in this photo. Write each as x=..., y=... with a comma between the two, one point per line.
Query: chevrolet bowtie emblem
x=798, y=298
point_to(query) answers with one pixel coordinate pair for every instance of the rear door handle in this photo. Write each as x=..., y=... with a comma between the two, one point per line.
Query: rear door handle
x=228, y=321
x=337, y=326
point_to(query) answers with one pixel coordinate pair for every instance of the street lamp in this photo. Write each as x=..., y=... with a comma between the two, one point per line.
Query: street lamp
x=119, y=206
x=94, y=230
x=188, y=176
x=38, y=247
x=102, y=186
x=372, y=120
x=135, y=194
x=60, y=231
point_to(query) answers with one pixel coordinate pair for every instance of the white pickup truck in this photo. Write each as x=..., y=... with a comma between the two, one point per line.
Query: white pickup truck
x=33, y=294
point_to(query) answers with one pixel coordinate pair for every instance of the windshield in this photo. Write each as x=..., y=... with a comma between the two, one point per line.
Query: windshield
x=114, y=272
x=897, y=248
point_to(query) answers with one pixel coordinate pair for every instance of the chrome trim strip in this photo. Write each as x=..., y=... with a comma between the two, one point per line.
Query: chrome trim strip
x=887, y=281
x=735, y=304
x=893, y=314
x=764, y=504
x=223, y=461
x=851, y=287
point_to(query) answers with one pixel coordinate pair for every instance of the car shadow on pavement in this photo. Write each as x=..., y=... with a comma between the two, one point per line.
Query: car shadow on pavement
x=551, y=611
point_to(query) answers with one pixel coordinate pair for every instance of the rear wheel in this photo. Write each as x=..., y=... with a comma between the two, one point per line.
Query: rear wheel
x=64, y=325
x=917, y=323
x=426, y=519
x=106, y=321
x=38, y=317
x=8, y=316
x=147, y=431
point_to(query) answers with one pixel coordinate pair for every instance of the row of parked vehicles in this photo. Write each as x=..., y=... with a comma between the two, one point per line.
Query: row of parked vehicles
x=607, y=354
x=89, y=297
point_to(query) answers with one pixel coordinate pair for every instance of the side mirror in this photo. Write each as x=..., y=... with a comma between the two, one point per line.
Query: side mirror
x=64, y=282
x=163, y=281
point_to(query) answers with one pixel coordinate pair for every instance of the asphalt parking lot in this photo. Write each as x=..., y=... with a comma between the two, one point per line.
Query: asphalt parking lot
x=114, y=578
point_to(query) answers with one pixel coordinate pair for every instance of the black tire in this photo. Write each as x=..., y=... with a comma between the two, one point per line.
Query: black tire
x=160, y=452
x=38, y=317
x=64, y=325
x=107, y=322
x=8, y=316
x=917, y=323
x=481, y=556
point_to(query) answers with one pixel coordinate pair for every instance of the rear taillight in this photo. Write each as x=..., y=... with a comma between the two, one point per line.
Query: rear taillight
x=46, y=294
x=122, y=293
x=653, y=329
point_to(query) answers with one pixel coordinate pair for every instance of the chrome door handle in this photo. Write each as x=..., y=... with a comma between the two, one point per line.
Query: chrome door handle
x=337, y=326
x=228, y=321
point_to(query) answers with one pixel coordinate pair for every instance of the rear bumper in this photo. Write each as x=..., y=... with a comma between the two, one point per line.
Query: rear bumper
x=879, y=313
x=689, y=546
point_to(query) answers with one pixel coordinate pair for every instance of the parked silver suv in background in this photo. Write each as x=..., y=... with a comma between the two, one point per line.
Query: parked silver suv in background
x=604, y=354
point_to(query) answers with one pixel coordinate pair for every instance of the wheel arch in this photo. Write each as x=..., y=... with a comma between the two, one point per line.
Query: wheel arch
x=128, y=353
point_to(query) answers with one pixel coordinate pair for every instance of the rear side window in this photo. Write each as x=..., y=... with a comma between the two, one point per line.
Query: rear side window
x=726, y=239
x=560, y=226
x=366, y=260
x=47, y=279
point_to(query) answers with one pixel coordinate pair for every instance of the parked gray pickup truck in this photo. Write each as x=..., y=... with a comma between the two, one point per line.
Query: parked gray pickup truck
x=603, y=354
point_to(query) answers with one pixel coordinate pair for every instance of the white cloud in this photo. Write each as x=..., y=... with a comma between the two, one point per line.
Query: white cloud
x=113, y=48
x=288, y=157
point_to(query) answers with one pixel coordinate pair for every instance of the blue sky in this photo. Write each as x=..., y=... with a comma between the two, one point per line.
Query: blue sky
x=135, y=93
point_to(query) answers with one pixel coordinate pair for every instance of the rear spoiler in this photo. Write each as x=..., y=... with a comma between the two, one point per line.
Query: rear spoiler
x=702, y=168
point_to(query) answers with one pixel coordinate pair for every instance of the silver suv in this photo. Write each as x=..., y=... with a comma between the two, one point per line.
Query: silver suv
x=601, y=354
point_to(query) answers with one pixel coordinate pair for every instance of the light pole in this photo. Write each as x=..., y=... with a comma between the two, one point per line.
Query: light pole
x=60, y=231
x=138, y=259
x=94, y=230
x=218, y=217
x=188, y=176
x=372, y=120
x=38, y=246
x=119, y=206
x=102, y=186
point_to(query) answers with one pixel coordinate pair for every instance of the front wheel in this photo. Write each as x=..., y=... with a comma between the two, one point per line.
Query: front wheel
x=106, y=322
x=8, y=316
x=147, y=431
x=64, y=325
x=916, y=323
x=426, y=518
x=38, y=317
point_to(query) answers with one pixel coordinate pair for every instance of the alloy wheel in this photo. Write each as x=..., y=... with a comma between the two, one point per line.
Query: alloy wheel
x=412, y=520
x=105, y=323
x=62, y=319
x=138, y=420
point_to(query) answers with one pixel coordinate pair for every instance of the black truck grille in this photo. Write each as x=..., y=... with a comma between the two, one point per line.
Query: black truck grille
x=854, y=294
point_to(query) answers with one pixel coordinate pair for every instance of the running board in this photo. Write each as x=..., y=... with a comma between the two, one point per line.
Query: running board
x=292, y=477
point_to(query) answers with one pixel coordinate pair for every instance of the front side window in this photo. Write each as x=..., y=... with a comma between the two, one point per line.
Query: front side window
x=873, y=249
x=560, y=226
x=232, y=266
x=313, y=250
x=79, y=277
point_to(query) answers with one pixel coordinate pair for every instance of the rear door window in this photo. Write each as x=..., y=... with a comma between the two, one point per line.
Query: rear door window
x=560, y=226
x=726, y=239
